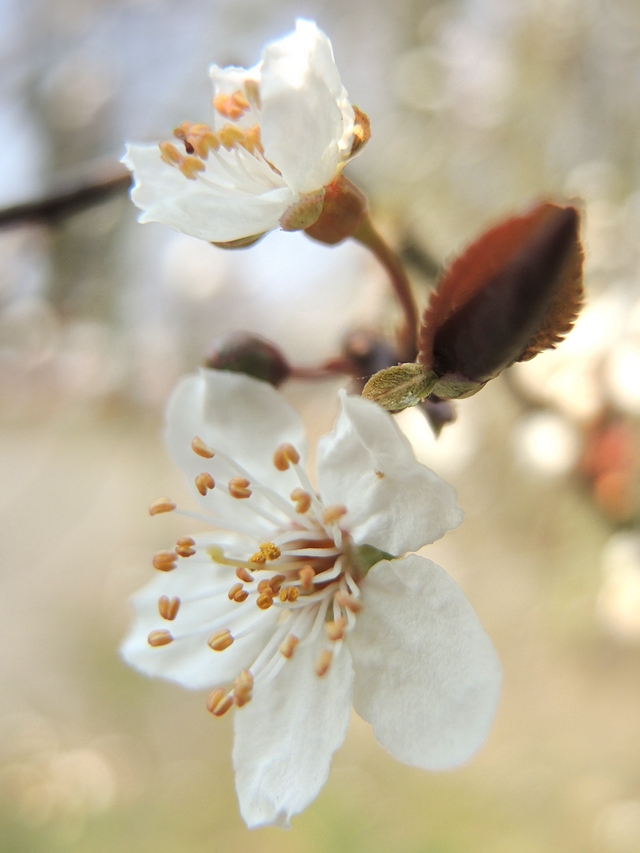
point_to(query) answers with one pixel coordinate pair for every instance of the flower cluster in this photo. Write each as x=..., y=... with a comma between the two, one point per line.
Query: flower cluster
x=299, y=604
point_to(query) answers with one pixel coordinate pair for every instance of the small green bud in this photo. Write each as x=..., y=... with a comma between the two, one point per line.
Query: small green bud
x=396, y=388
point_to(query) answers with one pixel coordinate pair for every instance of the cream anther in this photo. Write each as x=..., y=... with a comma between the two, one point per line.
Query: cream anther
x=301, y=499
x=238, y=488
x=198, y=446
x=220, y=641
x=160, y=638
x=165, y=561
x=348, y=601
x=161, y=505
x=204, y=482
x=333, y=513
x=335, y=630
x=242, y=688
x=219, y=702
x=324, y=662
x=288, y=647
x=284, y=455
x=306, y=575
x=168, y=607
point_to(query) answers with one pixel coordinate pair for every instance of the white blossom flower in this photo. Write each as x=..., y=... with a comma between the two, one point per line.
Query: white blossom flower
x=281, y=132
x=294, y=608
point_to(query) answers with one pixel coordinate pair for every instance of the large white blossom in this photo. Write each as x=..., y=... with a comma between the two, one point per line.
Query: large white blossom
x=293, y=608
x=281, y=132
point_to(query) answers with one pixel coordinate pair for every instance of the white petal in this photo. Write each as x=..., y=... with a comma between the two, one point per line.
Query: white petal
x=188, y=660
x=235, y=204
x=394, y=502
x=303, y=108
x=248, y=420
x=426, y=674
x=286, y=735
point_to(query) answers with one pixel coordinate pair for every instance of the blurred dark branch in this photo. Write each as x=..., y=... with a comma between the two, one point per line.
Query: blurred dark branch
x=70, y=198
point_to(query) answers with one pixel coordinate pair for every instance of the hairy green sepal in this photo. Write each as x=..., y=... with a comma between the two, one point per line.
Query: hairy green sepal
x=396, y=388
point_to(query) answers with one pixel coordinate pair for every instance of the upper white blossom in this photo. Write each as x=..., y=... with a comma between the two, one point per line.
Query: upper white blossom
x=281, y=132
x=294, y=608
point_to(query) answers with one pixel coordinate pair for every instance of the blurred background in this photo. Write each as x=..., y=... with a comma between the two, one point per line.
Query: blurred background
x=478, y=108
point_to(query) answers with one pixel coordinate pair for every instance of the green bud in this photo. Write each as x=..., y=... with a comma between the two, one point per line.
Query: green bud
x=396, y=388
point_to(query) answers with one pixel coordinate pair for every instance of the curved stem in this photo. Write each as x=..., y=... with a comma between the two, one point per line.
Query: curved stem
x=407, y=336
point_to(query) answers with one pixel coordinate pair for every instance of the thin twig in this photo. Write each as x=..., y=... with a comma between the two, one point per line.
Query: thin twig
x=68, y=200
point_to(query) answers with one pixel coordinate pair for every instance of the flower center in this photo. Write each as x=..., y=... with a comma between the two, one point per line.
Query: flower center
x=308, y=570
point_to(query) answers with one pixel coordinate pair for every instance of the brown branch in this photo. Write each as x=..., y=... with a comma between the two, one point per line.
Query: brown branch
x=69, y=199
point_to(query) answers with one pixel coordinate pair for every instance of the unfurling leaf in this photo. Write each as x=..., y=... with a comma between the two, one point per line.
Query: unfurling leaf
x=396, y=388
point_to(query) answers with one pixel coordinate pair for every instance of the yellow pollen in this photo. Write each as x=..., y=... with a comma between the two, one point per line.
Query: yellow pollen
x=301, y=499
x=161, y=505
x=190, y=165
x=306, y=575
x=168, y=607
x=219, y=702
x=220, y=641
x=164, y=561
x=231, y=106
x=169, y=153
x=159, y=638
x=230, y=136
x=268, y=552
x=238, y=488
x=252, y=91
x=237, y=587
x=242, y=688
x=285, y=454
x=335, y=630
x=253, y=140
x=265, y=600
x=348, y=601
x=288, y=647
x=292, y=593
x=333, y=513
x=204, y=482
x=244, y=575
x=283, y=594
x=198, y=446
x=324, y=662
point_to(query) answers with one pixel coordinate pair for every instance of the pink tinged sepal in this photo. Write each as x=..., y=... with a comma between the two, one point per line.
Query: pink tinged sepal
x=304, y=212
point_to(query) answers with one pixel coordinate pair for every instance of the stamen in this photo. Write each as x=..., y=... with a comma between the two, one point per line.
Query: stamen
x=198, y=446
x=292, y=593
x=349, y=602
x=242, y=688
x=204, y=482
x=263, y=585
x=334, y=513
x=182, y=131
x=285, y=454
x=220, y=641
x=324, y=662
x=269, y=551
x=190, y=165
x=288, y=647
x=161, y=505
x=253, y=140
x=238, y=488
x=230, y=136
x=335, y=630
x=265, y=599
x=169, y=153
x=219, y=702
x=276, y=582
x=301, y=499
x=306, y=575
x=186, y=542
x=159, y=638
x=204, y=142
x=244, y=575
x=165, y=561
x=241, y=596
x=231, y=106
x=237, y=587
x=252, y=91
x=168, y=607
x=185, y=552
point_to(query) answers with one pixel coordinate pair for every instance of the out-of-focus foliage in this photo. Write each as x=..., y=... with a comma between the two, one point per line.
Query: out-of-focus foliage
x=477, y=108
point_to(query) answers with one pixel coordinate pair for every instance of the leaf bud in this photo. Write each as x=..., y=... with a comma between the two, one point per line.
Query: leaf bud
x=254, y=355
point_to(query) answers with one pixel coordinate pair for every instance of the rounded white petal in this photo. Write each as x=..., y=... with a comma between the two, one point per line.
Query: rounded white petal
x=244, y=418
x=202, y=588
x=367, y=464
x=286, y=735
x=237, y=196
x=427, y=676
x=304, y=108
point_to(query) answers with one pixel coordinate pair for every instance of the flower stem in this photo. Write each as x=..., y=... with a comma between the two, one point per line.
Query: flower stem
x=407, y=336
